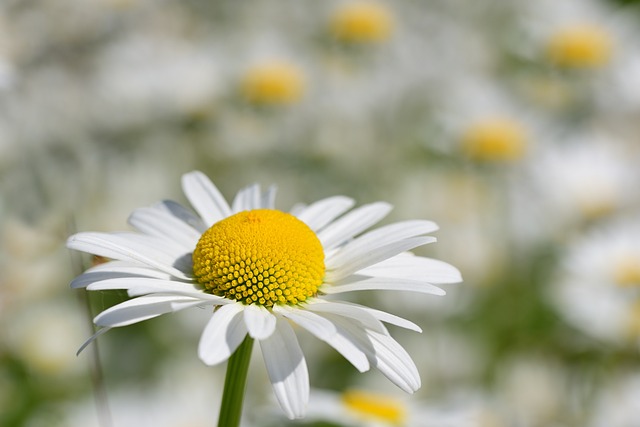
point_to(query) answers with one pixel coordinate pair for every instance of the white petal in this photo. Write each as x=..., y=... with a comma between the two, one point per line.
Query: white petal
x=385, y=354
x=222, y=335
x=350, y=311
x=351, y=261
x=268, y=198
x=383, y=283
x=160, y=223
x=139, y=286
x=183, y=214
x=138, y=248
x=205, y=198
x=394, y=362
x=322, y=212
x=408, y=266
x=247, y=199
x=356, y=221
x=392, y=319
x=287, y=369
x=381, y=237
x=325, y=330
x=143, y=308
x=114, y=270
x=91, y=339
x=260, y=323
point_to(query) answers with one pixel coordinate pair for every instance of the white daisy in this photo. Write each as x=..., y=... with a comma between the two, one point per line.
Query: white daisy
x=261, y=268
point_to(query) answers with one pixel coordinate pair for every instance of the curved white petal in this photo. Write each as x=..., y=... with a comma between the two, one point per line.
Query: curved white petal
x=205, y=198
x=409, y=266
x=147, y=250
x=385, y=354
x=247, y=199
x=178, y=211
x=224, y=332
x=160, y=223
x=347, y=262
x=322, y=212
x=384, y=284
x=136, y=286
x=381, y=237
x=350, y=311
x=325, y=330
x=115, y=270
x=356, y=221
x=383, y=316
x=92, y=338
x=143, y=308
x=268, y=198
x=394, y=362
x=260, y=323
x=287, y=369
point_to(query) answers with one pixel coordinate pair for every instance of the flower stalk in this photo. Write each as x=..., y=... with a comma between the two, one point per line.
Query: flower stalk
x=234, y=385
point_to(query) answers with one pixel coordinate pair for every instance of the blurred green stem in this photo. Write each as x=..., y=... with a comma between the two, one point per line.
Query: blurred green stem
x=234, y=385
x=95, y=365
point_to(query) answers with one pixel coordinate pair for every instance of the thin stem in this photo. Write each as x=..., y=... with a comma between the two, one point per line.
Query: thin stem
x=234, y=385
x=97, y=376
x=100, y=394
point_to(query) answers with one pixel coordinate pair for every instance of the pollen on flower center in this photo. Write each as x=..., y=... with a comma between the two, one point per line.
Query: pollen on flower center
x=262, y=257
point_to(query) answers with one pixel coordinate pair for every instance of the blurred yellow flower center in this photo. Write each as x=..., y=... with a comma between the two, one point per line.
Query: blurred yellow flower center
x=273, y=83
x=580, y=46
x=632, y=326
x=627, y=271
x=262, y=257
x=362, y=22
x=375, y=407
x=494, y=139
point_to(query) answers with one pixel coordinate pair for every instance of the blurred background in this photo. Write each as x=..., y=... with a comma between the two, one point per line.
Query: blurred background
x=515, y=125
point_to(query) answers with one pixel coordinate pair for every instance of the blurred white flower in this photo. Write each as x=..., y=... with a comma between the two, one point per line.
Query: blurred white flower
x=598, y=286
x=617, y=403
x=41, y=335
x=585, y=178
x=534, y=390
x=179, y=398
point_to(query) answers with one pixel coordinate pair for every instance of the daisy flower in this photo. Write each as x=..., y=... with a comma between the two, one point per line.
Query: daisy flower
x=259, y=269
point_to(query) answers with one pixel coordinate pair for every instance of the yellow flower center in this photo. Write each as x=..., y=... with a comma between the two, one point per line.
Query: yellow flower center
x=262, y=257
x=375, y=407
x=494, y=139
x=580, y=46
x=627, y=271
x=273, y=83
x=362, y=22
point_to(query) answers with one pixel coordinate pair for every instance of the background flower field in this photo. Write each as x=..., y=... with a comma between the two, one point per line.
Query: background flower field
x=512, y=124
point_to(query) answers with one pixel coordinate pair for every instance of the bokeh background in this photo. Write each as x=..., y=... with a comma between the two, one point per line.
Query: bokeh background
x=514, y=124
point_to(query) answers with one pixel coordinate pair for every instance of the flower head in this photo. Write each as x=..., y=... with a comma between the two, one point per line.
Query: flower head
x=259, y=268
x=580, y=46
x=362, y=22
x=273, y=83
x=495, y=139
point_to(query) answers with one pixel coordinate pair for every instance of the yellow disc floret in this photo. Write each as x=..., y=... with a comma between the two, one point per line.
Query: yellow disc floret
x=262, y=257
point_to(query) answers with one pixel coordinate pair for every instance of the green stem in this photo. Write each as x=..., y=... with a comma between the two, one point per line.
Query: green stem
x=234, y=385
